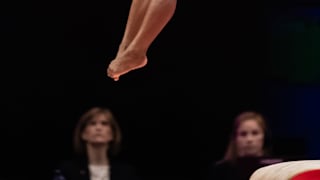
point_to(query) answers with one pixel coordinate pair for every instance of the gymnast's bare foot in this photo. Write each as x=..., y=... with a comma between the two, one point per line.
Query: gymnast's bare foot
x=125, y=62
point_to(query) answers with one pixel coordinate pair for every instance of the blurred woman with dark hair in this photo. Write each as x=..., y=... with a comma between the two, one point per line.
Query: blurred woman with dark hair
x=97, y=139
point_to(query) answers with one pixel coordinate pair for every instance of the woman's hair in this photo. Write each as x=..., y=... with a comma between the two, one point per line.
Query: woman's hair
x=231, y=152
x=80, y=144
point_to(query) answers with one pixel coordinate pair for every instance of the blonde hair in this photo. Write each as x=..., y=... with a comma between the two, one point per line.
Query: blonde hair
x=231, y=152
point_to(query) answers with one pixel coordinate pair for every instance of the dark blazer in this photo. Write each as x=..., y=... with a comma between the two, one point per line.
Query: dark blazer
x=241, y=169
x=78, y=170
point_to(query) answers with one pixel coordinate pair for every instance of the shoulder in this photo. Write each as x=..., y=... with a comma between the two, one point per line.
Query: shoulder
x=71, y=168
x=124, y=170
x=219, y=170
x=122, y=166
x=219, y=166
x=68, y=164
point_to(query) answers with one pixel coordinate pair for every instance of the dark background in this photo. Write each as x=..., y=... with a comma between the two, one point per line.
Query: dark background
x=212, y=61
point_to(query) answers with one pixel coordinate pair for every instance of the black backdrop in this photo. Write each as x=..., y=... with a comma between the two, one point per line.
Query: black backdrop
x=209, y=63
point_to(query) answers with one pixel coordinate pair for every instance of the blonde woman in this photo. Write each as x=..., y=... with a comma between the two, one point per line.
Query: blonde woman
x=246, y=150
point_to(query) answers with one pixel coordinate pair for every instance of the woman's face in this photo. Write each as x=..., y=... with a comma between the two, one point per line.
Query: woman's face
x=249, y=138
x=98, y=130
